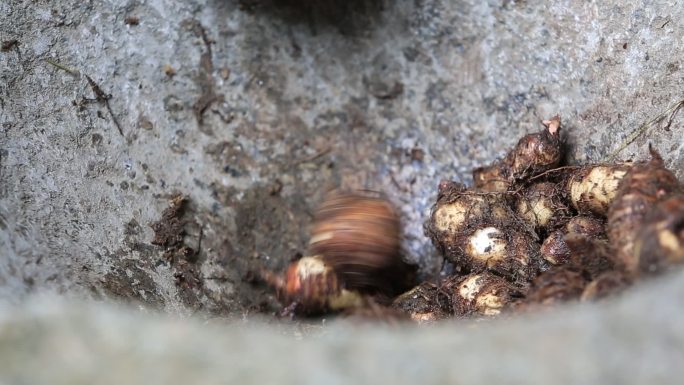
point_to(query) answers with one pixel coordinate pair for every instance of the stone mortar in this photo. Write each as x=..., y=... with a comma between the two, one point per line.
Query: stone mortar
x=254, y=109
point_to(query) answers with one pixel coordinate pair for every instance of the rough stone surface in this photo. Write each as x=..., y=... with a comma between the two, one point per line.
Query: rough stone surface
x=254, y=109
x=637, y=339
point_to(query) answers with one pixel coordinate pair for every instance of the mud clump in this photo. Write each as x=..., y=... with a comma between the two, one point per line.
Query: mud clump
x=169, y=229
x=169, y=233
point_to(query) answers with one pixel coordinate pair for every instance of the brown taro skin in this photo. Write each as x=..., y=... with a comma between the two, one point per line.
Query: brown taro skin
x=506, y=251
x=482, y=294
x=592, y=256
x=641, y=188
x=660, y=242
x=459, y=210
x=358, y=237
x=585, y=225
x=593, y=188
x=557, y=285
x=478, y=231
x=605, y=285
x=313, y=287
x=376, y=314
x=542, y=206
x=493, y=178
x=310, y=282
x=532, y=155
x=425, y=303
x=555, y=249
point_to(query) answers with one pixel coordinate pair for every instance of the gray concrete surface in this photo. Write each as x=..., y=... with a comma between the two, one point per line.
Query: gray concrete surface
x=271, y=105
x=304, y=97
x=637, y=339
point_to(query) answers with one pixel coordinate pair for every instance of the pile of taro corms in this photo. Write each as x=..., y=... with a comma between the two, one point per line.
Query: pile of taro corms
x=531, y=233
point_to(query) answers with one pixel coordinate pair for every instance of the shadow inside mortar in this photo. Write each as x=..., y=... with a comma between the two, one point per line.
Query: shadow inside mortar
x=347, y=17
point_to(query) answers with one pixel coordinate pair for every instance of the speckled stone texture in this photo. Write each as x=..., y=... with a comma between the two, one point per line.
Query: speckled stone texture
x=636, y=339
x=255, y=109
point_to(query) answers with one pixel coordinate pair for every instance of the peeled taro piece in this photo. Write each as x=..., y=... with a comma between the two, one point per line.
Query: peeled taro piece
x=505, y=251
x=482, y=293
x=541, y=205
x=478, y=232
x=593, y=188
